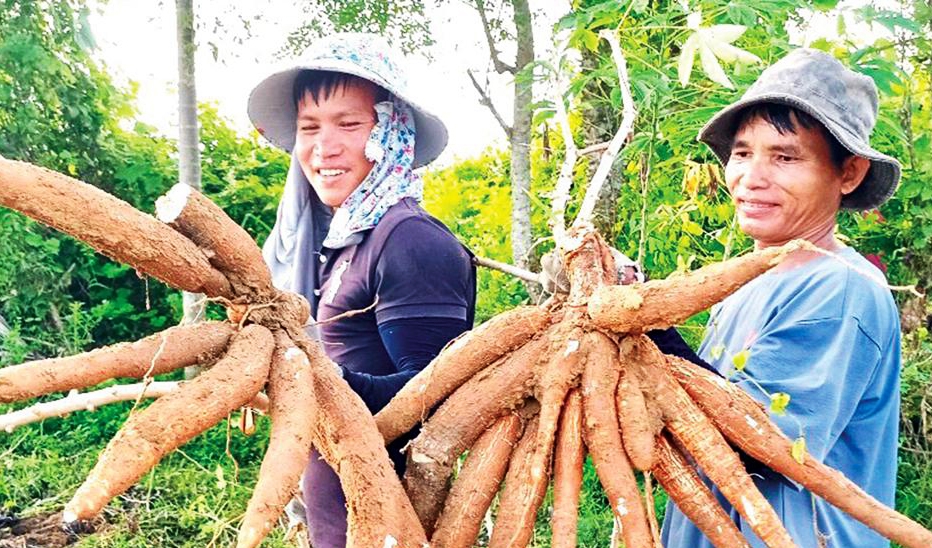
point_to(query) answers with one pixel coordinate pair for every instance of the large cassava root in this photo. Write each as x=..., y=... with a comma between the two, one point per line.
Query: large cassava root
x=292, y=410
x=171, y=349
x=569, y=456
x=225, y=244
x=694, y=499
x=478, y=481
x=603, y=439
x=691, y=428
x=118, y=230
x=378, y=512
x=659, y=304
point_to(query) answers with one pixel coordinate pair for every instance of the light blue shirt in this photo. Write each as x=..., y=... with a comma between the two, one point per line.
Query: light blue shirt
x=829, y=336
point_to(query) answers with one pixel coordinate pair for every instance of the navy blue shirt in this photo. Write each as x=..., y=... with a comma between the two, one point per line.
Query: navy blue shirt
x=417, y=285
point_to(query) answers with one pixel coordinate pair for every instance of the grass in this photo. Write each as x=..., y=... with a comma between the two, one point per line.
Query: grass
x=194, y=498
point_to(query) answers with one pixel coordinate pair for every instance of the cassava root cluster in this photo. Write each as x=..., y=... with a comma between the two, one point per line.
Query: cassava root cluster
x=527, y=394
x=194, y=246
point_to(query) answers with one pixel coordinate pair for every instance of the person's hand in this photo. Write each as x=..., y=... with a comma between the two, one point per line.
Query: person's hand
x=553, y=276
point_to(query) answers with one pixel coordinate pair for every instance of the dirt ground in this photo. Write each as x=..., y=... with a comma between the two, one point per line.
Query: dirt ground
x=41, y=531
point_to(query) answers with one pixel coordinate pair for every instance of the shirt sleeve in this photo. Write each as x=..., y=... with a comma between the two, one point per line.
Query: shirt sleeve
x=823, y=365
x=411, y=343
x=669, y=341
x=423, y=271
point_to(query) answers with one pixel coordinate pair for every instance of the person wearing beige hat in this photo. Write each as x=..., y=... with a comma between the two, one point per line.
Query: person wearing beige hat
x=822, y=326
x=350, y=234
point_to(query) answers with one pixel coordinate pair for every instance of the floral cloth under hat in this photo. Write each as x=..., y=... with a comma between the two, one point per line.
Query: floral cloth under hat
x=391, y=146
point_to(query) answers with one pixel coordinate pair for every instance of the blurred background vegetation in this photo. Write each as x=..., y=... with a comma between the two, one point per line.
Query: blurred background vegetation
x=665, y=204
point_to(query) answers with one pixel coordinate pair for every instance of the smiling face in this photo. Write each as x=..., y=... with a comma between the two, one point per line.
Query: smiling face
x=331, y=136
x=785, y=185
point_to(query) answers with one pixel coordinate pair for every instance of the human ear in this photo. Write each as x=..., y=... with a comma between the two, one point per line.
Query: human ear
x=853, y=172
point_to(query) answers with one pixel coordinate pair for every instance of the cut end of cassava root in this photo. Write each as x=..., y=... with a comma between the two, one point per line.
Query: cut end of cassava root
x=169, y=207
x=228, y=247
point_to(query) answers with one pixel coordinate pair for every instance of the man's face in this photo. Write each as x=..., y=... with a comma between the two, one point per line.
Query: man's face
x=786, y=186
x=331, y=137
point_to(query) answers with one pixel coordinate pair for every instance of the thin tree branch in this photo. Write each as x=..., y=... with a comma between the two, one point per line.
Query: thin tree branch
x=629, y=113
x=561, y=192
x=89, y=401
x=486, y=101
x=500, y=66
x=513, y=270
x=592, y=149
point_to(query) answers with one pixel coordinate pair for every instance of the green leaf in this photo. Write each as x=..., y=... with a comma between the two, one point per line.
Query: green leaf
x=778, y=403
x=798, y=450
x=589, y=39
x=824, y=5
x=741, y=359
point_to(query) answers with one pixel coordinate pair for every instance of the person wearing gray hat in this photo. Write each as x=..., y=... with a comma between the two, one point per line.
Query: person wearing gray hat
x=350, y=234
x=822, y=326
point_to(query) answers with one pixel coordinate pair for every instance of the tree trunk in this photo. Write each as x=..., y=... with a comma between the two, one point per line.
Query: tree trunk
x=189, y=158
x=520, y=139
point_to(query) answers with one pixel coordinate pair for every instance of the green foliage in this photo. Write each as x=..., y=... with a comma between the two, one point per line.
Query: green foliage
x=472, y=198
x=403, y=22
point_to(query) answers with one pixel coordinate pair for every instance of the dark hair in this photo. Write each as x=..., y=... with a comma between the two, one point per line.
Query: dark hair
x=321, y=84
x=781, y=116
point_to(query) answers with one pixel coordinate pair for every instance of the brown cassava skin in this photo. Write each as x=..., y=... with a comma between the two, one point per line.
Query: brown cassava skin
x=507, y=533
x=558, y=376
x=693, y=497
x=477, y=483
x=171, y=349
x=569, y=456
x=600, y=430
x=638, y=428
x=589, y=266
x=227, y=246
x=379, y=513
x=461, y=419
x=651, y=510
x=659, y=304
x=747, y=425
x=172, y=420
x=293, y=411
x=119, y=230
x=457, y=363
x=696, y=433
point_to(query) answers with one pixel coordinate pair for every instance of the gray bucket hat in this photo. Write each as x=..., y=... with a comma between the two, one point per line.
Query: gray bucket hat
x=271, y=105
x=842, y=100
